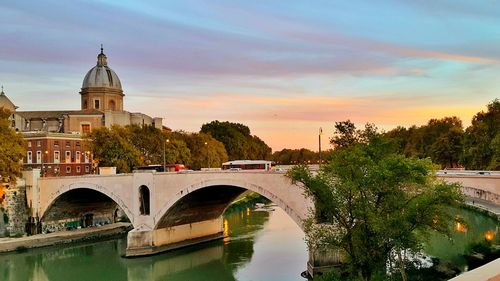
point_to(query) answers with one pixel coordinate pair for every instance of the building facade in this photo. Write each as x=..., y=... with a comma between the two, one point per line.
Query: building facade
x=57, y=154
x=54, y=138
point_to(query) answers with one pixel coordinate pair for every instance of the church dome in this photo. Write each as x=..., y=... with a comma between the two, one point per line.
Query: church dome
x=101, y=76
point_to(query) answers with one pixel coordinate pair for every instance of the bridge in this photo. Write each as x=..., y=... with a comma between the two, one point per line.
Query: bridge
x=172, y=210
x=167, y=210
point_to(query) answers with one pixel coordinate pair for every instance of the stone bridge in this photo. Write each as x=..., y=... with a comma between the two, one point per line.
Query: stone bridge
x=476, y=184
x=170, y=210
x=167, y=210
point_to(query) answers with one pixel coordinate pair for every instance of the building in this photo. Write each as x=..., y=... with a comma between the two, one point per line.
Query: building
x=54, y=138
x=57, y=154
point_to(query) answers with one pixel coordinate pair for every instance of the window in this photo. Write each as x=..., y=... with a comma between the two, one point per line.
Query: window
x=112, y=105
x=29, y=144
x=77, y=156
x=85, y=128
x=38, y=143
x=67, y=158
x=68, y=169
x=29, y=158
x=86, y=157
x=87, y=169
x=97, y=104
x=39, y=157
x=56, y=143
x=57, y=157
x=77, y=169
x=68, y=144
x=77, y=143
x=144, y=200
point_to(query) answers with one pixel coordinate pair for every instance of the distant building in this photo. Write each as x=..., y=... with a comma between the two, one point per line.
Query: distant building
x=55, y=137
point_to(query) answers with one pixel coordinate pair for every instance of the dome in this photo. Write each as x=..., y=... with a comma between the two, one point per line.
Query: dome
x=101, y=76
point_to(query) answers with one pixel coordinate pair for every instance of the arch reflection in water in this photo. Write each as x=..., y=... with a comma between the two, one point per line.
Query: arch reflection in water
x=219, y=260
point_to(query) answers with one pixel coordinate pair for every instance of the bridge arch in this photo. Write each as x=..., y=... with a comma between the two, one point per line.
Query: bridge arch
x=284, y=203
x=64, y=189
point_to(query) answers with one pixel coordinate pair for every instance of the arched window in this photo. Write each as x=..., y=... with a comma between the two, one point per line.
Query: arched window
x=112, y=105
x=144, y=200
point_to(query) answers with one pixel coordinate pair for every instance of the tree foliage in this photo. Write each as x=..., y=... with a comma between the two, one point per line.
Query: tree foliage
x=439, y=139
x=480, y=149
x=296, y=156
x=12, y=148
x=346, y=134
x=113, y=147
x=370, y=201
x=205, y=151
x=237, y=140
x=132, y=146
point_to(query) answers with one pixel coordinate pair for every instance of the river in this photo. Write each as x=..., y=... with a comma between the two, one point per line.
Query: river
x=262, y=245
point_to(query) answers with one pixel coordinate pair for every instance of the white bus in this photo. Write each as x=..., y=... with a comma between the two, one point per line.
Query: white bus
x=237, y=165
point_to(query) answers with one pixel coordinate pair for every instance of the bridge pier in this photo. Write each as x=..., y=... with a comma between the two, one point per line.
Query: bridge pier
x=143, y=241
x=323, y=261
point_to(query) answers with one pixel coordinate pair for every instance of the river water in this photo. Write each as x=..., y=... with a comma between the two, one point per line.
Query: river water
x=262, y=245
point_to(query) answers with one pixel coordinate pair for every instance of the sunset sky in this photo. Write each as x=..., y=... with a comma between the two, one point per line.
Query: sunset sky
x=283, y=68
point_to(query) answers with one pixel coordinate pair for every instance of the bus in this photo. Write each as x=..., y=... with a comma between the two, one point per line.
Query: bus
x=237, y=165
x=168, y=167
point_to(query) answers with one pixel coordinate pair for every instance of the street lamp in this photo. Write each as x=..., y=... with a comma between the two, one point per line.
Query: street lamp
x=208, y=160
x=319, y=142
x=164, y=151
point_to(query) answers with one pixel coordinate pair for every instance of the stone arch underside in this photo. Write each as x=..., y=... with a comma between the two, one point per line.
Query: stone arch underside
x=209, y=200
x=75, y=194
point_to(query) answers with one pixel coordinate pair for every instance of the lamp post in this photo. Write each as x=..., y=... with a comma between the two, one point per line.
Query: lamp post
x=320, y=133
x=208, y=160
x=164, y=152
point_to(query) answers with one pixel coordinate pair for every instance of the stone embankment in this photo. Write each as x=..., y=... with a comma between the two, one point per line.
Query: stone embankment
x=64, y=237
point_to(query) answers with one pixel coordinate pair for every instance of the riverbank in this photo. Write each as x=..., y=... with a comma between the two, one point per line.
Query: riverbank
x=483, y=205
x=64, y=237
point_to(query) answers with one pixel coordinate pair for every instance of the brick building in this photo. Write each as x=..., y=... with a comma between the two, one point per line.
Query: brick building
x=57, y=154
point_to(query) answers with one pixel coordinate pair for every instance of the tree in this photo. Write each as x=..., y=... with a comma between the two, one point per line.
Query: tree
x=447, y=149
x=371, y=202
x=205, y=151
x=152, y=143
x=346, y=134
x=113, y=147
x=295, y=156
x=12, y=149
x=478, y=151
x=237, y=140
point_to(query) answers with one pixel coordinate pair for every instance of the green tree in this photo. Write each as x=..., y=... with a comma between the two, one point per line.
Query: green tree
x=295, y=156
x=237, y=140
x=346, y=134
x=495, y=158
x=12, y=149
x=177, y=151
x=113, y=147
x=447, y=148
x=205, y=151
x=478, y=151
x=370, y=201
x=152, y=143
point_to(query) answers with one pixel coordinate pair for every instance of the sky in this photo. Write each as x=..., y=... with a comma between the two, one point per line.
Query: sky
x=284, y=68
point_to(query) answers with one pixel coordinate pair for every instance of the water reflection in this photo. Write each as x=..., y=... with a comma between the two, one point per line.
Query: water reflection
x=471, y=228
x=229, y=259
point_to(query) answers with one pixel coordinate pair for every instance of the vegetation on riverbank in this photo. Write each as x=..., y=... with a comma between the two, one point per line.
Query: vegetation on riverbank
x=375, y=205
x=247, y=201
